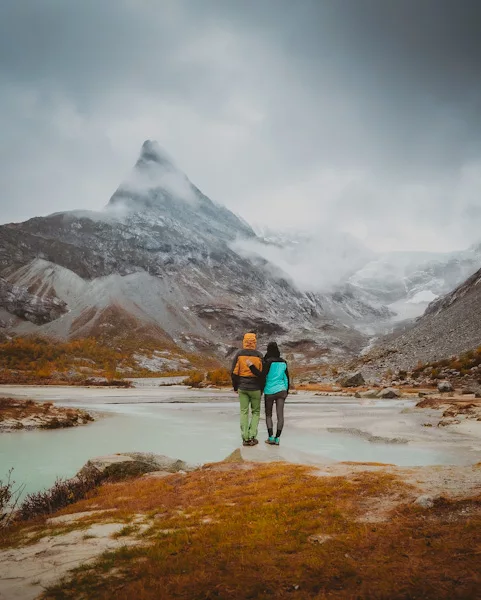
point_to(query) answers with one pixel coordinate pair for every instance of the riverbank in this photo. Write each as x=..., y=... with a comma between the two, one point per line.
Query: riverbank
x=240, y=529
x=23, y=415
x=202, y=425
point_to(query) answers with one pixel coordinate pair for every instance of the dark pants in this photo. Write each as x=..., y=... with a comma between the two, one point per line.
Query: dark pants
x=279, y=399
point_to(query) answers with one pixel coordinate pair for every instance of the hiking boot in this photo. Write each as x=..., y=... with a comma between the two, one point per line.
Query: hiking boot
x=270, y=440
x=253, y=441
x=276, y=441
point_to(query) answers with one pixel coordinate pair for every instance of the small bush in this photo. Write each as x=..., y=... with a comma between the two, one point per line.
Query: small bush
x=61, y=494
x=124, y=383
x=120, y=383
x=195, y=379
x=9, y=497
x=219, y=377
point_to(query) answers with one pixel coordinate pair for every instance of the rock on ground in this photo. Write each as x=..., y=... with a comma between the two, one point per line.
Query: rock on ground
x=388, y=393
x=354, y=380
x=132, y=464
x=445, y=386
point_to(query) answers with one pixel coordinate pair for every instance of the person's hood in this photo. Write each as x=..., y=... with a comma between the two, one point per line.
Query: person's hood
x=250, y=341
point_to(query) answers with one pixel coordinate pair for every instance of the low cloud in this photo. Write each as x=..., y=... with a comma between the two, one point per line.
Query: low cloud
x=316, y=262
x=146, y=180
x=360, y=117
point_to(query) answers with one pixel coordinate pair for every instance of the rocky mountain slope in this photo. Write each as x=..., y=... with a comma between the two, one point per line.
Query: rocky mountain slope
x=158, y=264
x=21, y=303
x=450, y=326
x=374, y=292
x=406, y=282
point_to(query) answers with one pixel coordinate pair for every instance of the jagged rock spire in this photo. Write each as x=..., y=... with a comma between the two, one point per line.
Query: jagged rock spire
x=152, y=152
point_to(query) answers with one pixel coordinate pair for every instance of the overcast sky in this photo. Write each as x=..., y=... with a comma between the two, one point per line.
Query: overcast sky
x=361, y=115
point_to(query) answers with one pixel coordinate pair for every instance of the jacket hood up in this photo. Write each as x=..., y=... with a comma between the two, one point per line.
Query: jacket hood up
x=250, y=341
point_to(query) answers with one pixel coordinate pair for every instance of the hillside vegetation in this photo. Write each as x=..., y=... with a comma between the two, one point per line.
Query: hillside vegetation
x=40, y=360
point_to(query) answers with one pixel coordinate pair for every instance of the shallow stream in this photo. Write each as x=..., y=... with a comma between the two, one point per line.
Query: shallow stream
x=197, y=433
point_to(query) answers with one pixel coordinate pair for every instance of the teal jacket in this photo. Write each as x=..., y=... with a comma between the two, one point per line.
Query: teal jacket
x=274, y=376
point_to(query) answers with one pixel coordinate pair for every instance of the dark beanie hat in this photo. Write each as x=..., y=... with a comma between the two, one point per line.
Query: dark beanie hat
x=272, y=350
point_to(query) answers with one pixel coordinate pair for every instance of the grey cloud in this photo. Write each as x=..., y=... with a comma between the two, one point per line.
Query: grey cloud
x=358, y=114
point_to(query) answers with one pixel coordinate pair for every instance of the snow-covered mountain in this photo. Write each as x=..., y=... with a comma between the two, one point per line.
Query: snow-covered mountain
x=406, y=282
x=364, y=289
x=160, y=262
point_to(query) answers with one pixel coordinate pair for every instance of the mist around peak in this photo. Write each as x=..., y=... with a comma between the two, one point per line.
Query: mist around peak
x=153, y=180
x=316, y=261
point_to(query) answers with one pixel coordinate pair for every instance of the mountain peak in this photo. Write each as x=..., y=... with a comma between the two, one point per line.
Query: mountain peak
x=154, y=180
x=152, y=152
x=158, y=188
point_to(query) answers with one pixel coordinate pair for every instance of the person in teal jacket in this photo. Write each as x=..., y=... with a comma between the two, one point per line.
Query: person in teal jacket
x=275, y=382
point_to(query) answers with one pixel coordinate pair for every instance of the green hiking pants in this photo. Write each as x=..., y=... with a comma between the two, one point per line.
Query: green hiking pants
x=252, y=399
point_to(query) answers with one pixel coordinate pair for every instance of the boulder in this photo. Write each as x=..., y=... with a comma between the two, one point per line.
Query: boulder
x=134, y=464
x=354, y=380
x=445, y=386
x=369, y=394
x=388, y=393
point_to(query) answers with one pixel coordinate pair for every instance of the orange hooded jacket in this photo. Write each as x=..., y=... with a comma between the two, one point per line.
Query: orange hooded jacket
x=242, y=377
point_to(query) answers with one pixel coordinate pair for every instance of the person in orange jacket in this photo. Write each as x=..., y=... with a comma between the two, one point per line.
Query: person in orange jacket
x=249, y=387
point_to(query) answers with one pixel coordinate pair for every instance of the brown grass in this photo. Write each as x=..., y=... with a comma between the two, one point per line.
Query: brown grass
x=416, y=390
x=39, y=360
x=53, y=416
x=440, y=402
x=13, y=408
x=249, y=531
